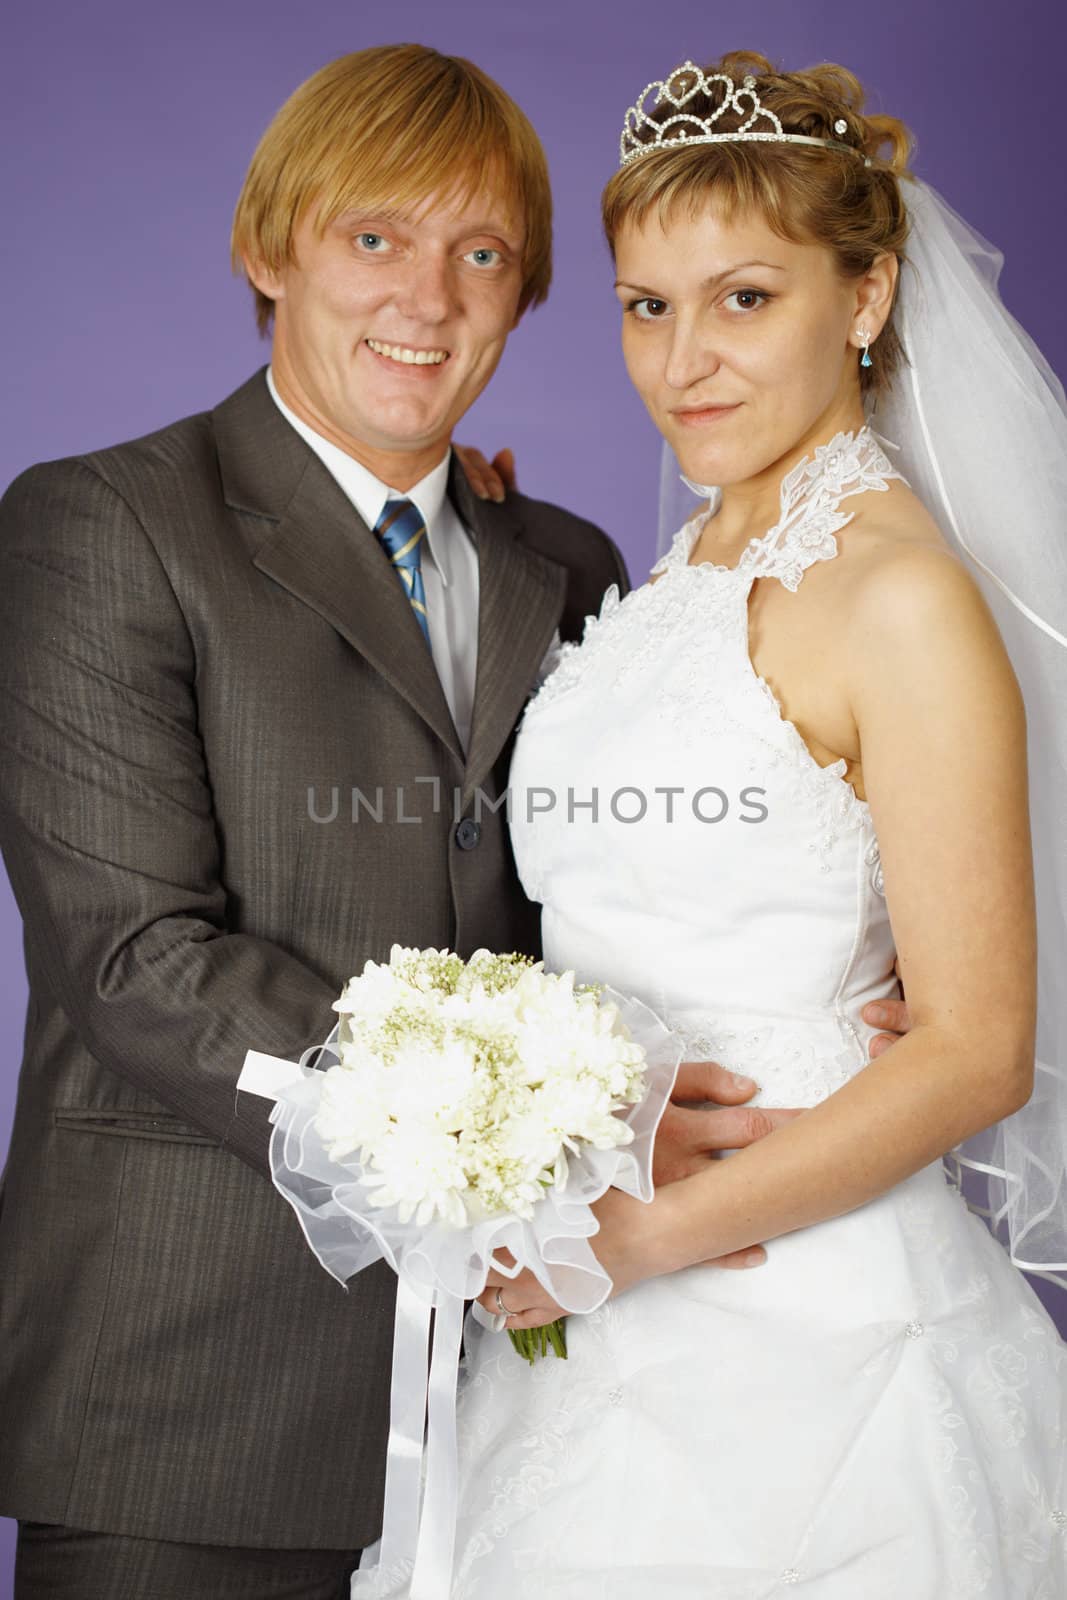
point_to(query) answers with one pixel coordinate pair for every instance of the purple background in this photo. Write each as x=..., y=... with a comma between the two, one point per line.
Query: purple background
x=127, y=129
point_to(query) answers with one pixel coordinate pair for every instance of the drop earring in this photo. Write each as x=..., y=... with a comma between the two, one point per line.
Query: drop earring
x=865, y=335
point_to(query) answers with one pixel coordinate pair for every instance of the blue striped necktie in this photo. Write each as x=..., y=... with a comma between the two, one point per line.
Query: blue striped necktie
x=401, y=531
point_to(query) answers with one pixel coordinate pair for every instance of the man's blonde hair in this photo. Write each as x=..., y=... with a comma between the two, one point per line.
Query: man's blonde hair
x=389, y=127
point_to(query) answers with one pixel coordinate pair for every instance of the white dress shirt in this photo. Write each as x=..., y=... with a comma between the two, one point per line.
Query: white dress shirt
x=449, y=560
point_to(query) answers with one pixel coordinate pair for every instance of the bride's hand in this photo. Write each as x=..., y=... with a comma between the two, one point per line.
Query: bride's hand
x=628, y=1246
x=490, y=480
x=525, y=1300
x=632, y=1243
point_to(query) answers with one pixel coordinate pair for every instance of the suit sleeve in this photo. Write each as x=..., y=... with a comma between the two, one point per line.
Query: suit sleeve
x=106, y=820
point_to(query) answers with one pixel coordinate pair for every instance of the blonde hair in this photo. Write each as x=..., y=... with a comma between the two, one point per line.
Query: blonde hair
x=379, y=128
x=805, y=193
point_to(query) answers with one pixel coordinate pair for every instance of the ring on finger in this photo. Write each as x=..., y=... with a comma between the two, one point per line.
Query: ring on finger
x=501, y=1307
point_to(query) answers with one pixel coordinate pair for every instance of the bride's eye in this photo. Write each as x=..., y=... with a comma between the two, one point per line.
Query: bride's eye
x=373, y=243
x=647, y=309
x=753, y=297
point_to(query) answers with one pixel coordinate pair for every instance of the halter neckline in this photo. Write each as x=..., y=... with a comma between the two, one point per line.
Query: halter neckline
x=809, y=519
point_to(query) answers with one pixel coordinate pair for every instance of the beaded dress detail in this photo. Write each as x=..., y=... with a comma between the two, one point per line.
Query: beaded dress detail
x=880, y=1411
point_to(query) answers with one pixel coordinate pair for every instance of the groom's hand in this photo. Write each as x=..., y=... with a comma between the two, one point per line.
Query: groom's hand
x=706, y=1115
x=890, y=1015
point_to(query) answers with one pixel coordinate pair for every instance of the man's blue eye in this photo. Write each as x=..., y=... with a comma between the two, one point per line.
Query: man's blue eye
x=371, y=241
x=485, y=257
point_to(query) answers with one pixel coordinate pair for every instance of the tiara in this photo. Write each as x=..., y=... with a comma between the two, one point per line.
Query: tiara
x=701, y=130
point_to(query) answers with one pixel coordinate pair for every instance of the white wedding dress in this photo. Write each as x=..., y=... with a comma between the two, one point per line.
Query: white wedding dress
x=880, y=1411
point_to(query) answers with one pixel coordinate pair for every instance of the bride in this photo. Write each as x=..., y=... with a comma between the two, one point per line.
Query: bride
x=796, y=755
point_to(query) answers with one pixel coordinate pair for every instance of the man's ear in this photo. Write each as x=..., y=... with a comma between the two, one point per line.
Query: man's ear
x=264, y=278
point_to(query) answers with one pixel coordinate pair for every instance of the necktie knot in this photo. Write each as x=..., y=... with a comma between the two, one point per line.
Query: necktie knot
x=402, y=531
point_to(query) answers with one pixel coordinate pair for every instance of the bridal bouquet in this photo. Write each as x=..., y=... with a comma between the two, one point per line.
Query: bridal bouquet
x=463, y=1087
x=467, y=1108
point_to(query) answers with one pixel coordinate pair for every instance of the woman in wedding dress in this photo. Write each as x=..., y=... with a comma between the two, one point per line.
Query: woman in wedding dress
x=795, y=754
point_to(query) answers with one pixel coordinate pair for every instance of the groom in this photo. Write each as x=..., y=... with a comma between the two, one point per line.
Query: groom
x=261, y=672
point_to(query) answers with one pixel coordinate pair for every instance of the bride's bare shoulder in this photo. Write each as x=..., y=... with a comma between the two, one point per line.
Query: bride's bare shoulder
x=909, y=593
x=894, y=548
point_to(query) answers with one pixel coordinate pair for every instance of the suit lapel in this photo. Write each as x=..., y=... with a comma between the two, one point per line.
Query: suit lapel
x=521, y=596
x=317, y=547
x=320, y=550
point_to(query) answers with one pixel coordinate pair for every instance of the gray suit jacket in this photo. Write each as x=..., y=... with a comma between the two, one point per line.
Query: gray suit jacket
x=199, y=643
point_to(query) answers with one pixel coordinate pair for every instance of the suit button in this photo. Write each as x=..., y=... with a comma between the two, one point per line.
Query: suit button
x=468, y=834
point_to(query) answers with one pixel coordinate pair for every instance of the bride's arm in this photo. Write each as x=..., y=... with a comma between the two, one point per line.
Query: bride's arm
x=943, y=744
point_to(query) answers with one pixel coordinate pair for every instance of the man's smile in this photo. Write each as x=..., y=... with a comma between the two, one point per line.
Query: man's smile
x=405, y=355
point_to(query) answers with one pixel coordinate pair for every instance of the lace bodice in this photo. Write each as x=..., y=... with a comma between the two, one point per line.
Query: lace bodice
x=683, y=841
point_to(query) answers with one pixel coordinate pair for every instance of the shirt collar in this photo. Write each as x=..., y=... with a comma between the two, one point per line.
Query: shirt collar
x=369, y=494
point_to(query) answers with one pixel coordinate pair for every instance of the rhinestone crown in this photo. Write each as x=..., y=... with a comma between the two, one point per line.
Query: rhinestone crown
x=641, y=136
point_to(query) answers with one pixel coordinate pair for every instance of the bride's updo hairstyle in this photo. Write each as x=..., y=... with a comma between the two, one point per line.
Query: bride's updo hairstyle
x=805, y=193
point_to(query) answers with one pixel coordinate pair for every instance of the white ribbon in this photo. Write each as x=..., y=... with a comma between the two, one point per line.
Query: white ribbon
x=407, y=1425
x=438, y=1268
x=432, y=1578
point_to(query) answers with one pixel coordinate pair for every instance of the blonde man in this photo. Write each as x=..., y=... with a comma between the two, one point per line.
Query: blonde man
x=211, y=653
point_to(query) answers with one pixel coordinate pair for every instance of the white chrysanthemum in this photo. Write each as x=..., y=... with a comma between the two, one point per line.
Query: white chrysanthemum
x=371, y=996
x=430, y=1081
x=418, y=1169
x=354, y=1108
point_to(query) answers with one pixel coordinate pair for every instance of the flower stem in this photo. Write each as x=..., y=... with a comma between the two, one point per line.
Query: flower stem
x=534, y=1342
